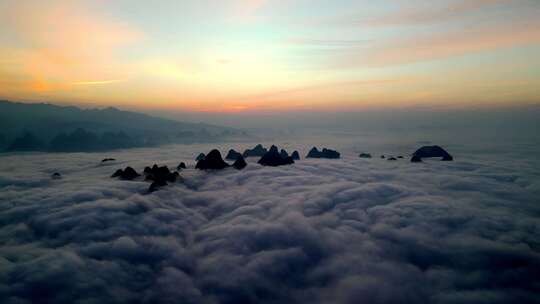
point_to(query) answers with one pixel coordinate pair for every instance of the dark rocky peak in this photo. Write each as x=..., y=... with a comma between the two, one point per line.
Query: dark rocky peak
x=233, y=155
x=329, y=153
x=313, y=153
x=160, y=176
x=200, y=156
x=257, y=151
x=240, y=163
x=273, y=158
x=325, y=153
x=127, y=174
x=432, y=151
x=159, y=173
x=212, y=161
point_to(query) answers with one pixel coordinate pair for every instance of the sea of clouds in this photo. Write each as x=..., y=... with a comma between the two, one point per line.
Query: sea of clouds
x=320, y=231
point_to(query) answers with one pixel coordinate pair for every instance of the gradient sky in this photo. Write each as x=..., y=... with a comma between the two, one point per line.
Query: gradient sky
x=270, y=55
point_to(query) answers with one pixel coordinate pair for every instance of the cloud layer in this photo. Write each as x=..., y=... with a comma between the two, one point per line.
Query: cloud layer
x=320, y=231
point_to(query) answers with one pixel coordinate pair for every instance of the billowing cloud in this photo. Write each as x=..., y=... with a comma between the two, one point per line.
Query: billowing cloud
x=318, y=231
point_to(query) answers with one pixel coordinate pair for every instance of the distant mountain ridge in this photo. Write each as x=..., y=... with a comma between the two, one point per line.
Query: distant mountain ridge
x=48, y=127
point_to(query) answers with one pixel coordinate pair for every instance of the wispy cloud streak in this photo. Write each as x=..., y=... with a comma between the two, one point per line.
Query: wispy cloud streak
x=98, y=82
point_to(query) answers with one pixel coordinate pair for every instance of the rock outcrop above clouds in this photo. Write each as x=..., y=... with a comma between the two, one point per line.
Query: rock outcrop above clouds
x=257, y=151
x=212, y=161
x=233, y=155
x=273, y=158
x=239, y=163
x=325, y=153
x=200, y=156
x=157, y=173
x=159, y=176
x=127, y=174
x=429, y=152
x=181, y=166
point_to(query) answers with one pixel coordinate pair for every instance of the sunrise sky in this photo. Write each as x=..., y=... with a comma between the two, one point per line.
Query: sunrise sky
x=266, y=55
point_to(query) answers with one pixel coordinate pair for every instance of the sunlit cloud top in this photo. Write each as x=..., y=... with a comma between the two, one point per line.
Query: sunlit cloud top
x=265, y=55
